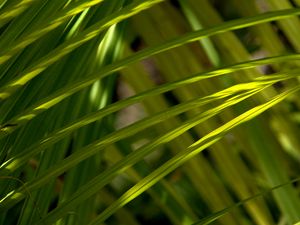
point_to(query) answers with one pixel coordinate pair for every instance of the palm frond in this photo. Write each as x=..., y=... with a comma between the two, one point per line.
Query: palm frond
x=149, y=111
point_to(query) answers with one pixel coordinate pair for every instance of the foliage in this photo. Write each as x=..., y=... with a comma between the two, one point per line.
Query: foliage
x=149, y=112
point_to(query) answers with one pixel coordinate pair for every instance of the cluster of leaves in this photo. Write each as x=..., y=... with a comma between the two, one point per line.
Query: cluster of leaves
x=149, y=112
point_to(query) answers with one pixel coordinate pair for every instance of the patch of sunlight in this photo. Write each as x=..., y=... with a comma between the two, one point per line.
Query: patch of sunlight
x=67, y=4
x=74, y=11
x=285, y=141
x=15, y=10
x=133, y=11
x=236, y=89
x=12, y=164
x=24, y=2
x=84, y=5
x=27, y=77
x=298, y=223
x=26, y=117
x=4, y=58
x=95, y=90
x=76, y=26
x=240, y=87
x=73, y=126
x=4, y=95
x=2, y=4
x=248, y=115
x=186, y=221
x=11, y=195
x=6, y=129
x=146, y=5
x=15, y=195
x=49, y=27
x=224, y=71
x=116, y=20
x=87, y=36
x=52, y=102
x=101, y=53
x=106, y=42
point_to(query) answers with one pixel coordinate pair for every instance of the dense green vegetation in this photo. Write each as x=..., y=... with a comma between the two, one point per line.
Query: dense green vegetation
x=139, y=112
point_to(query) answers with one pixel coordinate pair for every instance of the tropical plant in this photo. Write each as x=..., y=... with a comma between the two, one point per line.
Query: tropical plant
x=149, y=112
